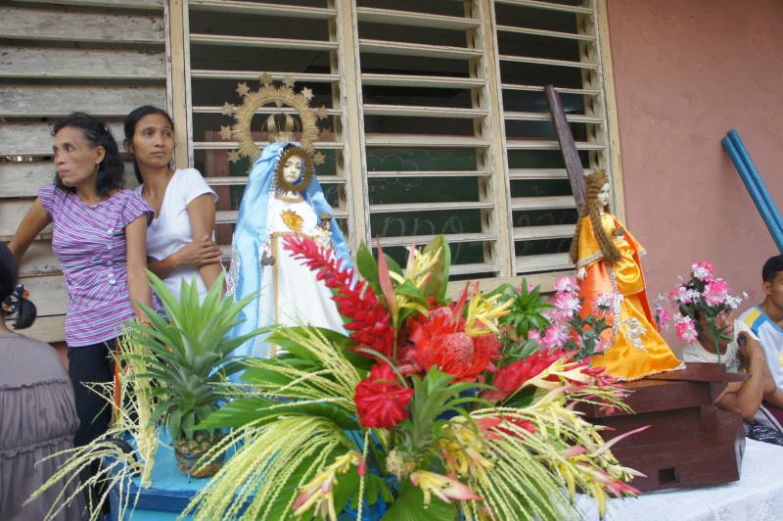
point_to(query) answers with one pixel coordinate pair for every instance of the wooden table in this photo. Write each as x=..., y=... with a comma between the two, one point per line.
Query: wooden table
x=690, y=442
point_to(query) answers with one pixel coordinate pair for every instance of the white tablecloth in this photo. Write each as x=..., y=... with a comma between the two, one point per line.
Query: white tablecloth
x=757, y=496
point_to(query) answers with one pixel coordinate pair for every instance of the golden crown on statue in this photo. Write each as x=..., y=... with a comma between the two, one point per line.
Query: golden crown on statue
x=281, y=125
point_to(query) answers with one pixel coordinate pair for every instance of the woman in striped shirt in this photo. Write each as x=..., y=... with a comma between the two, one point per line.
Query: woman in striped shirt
x=99, y=237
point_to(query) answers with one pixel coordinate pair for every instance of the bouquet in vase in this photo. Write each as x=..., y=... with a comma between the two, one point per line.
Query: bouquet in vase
x=703, y=302
x=426, y=409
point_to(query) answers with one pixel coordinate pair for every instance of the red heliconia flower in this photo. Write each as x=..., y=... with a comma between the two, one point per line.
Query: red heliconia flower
x=367, y=321
x=511, y=377
x=439, y=341
x=380, y=401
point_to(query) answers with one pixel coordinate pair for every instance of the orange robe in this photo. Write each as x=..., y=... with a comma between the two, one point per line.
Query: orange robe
x=633, y=348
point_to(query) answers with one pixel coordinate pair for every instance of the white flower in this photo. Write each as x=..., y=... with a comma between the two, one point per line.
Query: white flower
x=604, y=301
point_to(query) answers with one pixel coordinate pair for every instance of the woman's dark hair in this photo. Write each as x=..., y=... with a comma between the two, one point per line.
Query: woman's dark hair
x=9, y=277
x=111, y=171
x=132, y=119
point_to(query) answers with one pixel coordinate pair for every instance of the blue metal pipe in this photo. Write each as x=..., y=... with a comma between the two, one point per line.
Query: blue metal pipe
x=767, y=214
x=756, y=191
x=756, y=176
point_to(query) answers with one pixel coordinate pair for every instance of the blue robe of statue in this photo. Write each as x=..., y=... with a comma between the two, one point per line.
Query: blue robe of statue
x=252, y=242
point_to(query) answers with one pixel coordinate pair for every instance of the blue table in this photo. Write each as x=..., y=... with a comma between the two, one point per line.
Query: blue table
x=171, y=491
x=169, y=494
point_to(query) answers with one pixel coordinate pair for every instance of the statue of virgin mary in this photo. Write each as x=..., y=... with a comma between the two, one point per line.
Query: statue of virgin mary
x=282, y=198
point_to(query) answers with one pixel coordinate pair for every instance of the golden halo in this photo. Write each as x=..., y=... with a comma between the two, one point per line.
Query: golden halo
x=307, y=168
x=281, y=96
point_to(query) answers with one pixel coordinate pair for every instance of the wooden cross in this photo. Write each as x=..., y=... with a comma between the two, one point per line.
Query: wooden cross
x=576, y=175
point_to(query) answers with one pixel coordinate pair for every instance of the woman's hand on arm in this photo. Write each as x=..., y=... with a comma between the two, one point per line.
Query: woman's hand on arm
x=197, y=253
x=136, y=254
x=201, y=212
x=33, y=223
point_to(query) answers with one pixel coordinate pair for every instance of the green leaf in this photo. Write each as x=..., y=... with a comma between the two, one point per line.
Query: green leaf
x=262, y=410
x=345, y=345
x=387, y=288
x=409, y=290
x=282, y=337
x=267, y=376
x=279, y=509
x=521, y=398
x=409, y=506
x=393, y=266
x=345, y=486
x=438, y=282
x=368, y=268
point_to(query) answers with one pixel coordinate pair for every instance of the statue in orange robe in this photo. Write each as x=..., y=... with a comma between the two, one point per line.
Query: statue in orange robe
x=609, y=268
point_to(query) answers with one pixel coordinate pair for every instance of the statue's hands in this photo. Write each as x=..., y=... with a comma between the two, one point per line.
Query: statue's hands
x=581, y=273
x=325, y=223
x=198, y=253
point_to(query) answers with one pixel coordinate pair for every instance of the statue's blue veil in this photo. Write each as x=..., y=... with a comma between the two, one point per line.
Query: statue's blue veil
x=251, y=240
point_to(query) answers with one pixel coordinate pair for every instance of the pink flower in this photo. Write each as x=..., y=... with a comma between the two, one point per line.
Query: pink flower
x=566, y=305
x=551, y=315
x=554, y=338
x=686, y=328
x=716, y=291
x=702, y=271
x=680, y=295
x=566, y=284
x=534, y=334
x=663, y=317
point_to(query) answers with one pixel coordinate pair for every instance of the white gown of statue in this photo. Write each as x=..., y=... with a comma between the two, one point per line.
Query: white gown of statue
x=291, y=295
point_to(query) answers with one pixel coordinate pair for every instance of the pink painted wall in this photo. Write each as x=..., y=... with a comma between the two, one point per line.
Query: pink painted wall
x=685, y=73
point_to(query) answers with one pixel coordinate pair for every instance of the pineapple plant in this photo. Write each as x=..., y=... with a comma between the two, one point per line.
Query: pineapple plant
x=189, y=358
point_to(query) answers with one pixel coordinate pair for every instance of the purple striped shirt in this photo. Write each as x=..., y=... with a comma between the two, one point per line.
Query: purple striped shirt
x=89, y=242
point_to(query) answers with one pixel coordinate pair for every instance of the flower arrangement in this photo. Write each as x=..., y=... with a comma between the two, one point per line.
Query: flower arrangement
x=552, y=326
x=703, y=295
x=426, y=409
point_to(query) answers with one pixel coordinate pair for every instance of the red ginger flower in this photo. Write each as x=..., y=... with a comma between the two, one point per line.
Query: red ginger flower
x=513, y=376
x=380, y=401
x=440, y=341
x=368, y=322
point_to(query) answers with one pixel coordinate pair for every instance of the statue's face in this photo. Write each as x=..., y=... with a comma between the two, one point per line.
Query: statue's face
x=604, y=195
x=292, y=170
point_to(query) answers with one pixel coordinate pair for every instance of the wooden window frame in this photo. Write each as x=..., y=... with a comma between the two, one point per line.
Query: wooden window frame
x=345, y=26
